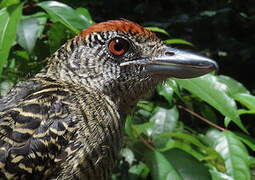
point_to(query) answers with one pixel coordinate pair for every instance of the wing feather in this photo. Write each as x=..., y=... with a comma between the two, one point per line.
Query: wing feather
x=35, y=125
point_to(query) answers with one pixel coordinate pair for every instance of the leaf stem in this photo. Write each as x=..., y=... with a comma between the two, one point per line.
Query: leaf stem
x=200, y=117
x=143, y=140
x=30, y=4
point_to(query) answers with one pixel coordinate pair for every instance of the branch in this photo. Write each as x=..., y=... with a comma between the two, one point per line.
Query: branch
x=201, y=118
x=143, y=140
x=29, y=5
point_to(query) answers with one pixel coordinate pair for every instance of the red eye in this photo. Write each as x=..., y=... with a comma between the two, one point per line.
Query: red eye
x=118, y=46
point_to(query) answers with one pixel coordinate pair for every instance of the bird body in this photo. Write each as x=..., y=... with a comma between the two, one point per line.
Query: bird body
x=47, y=118
x=67, y=122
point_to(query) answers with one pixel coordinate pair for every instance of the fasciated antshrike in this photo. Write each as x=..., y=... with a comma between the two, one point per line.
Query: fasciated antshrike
x=67, y=122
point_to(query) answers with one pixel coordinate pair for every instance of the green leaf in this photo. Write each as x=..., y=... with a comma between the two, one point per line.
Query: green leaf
x=66, y=15
x=42, y=18
x=128, y=155
x=172, y=83
x=139, y=170
x=252, y=163
x=144, y=113
x=233, y=86
x=165, y=121
x=85, y=14
x=216, y=175
x=186, y=140
x=168, y=145
x=166, y=91
x=128, y=127
x=147, y=106
x=246, y=139
x=9, y=18
x=227, y=120
x=27, y=33
x=189, y=149
x=177, y=41
x=233, y=152
x=57, y=36
x=245, y=111
x=247, y=100
x=209, y=89
x=207, y=112
x=211, y=135
x=21, y=55
x=186, y=165
x=6, y=3
x=157, y=29
x=160, y=167
x=142, y=128
x=185, y=137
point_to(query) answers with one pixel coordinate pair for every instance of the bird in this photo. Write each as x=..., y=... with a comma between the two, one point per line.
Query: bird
x=67, y=122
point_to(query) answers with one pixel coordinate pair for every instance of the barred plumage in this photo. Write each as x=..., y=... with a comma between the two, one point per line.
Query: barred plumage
x=35, y=132
x=67, y=122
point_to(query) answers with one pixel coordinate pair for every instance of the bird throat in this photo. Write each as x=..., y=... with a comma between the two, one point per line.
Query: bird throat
x=126, y=95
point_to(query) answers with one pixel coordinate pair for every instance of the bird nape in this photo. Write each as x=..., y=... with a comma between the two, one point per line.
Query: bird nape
x=67, y=122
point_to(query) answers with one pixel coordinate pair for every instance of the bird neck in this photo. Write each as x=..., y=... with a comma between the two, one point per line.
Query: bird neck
x=125, y=94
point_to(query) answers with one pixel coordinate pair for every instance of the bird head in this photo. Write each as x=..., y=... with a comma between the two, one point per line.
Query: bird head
x=123, y=60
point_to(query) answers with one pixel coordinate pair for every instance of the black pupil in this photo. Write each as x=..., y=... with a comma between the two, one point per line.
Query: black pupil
x=121, y=44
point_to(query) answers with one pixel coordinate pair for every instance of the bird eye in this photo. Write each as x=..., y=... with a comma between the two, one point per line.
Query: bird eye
x=118, y=46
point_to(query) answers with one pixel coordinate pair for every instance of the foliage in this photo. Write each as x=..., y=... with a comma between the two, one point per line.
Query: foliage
x=164, y=137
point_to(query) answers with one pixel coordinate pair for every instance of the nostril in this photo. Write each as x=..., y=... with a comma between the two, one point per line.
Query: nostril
x=169, y=53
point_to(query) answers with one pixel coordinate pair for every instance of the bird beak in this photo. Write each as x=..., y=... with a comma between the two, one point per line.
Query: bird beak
x=180, y=64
